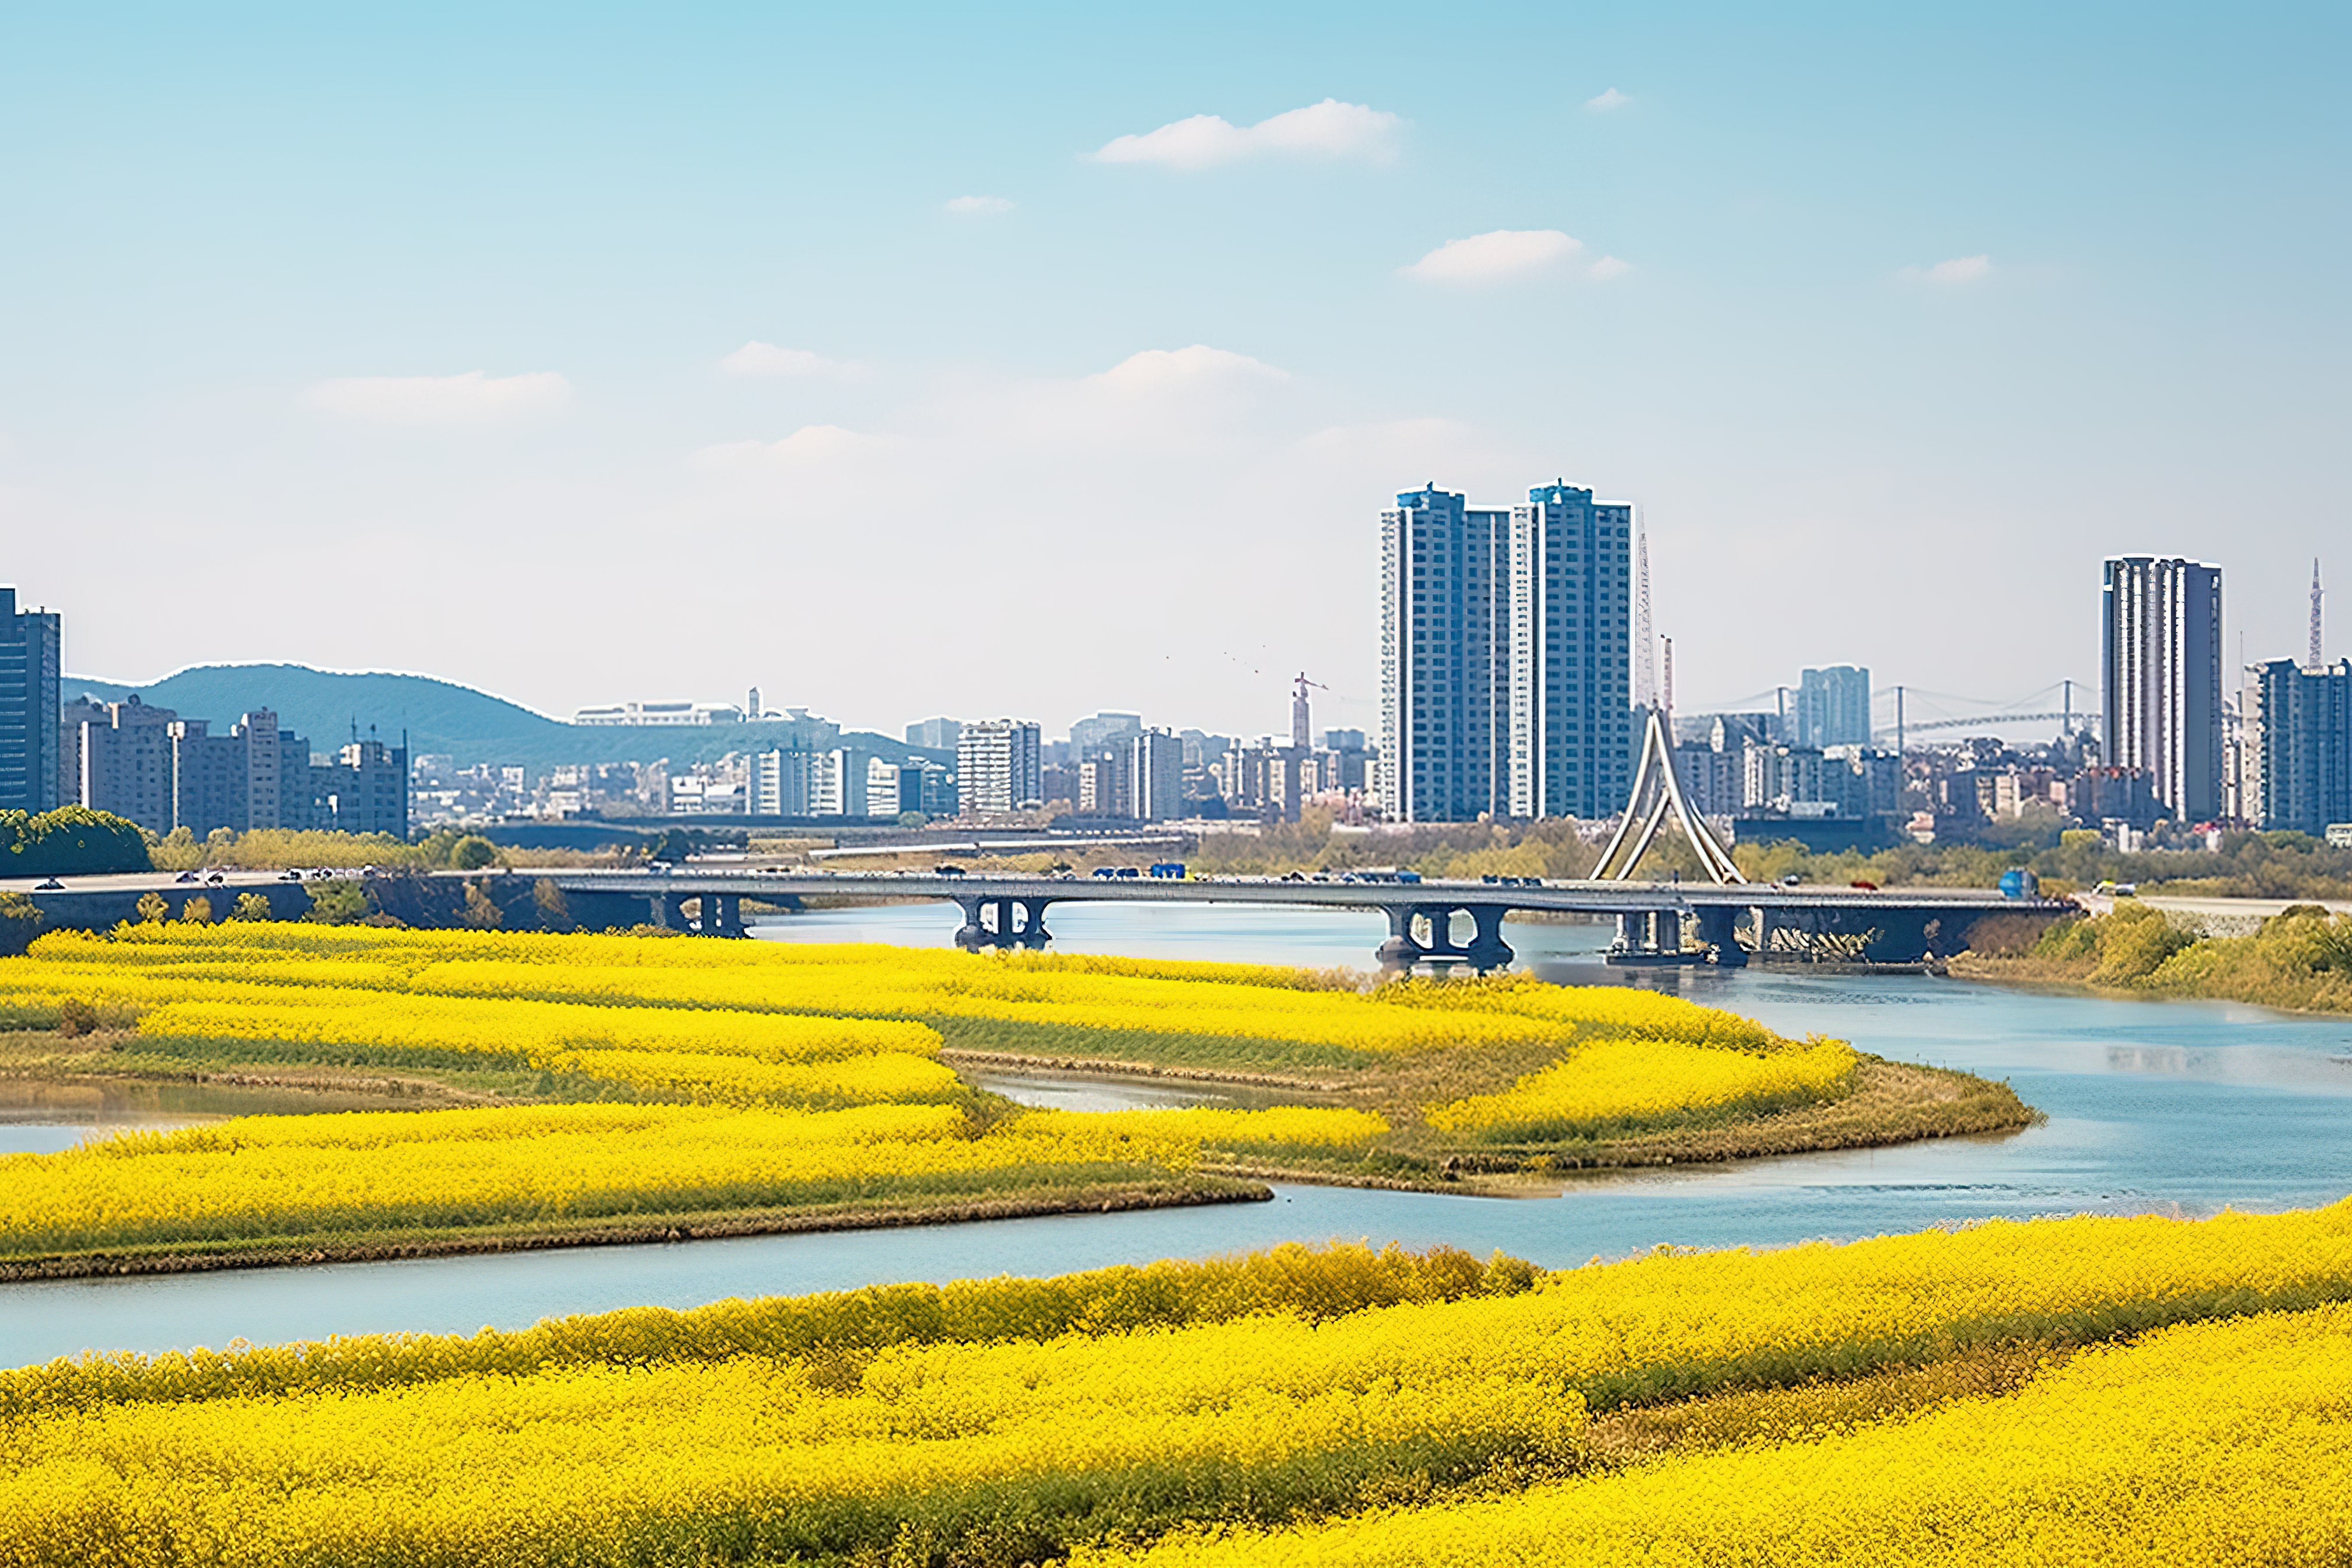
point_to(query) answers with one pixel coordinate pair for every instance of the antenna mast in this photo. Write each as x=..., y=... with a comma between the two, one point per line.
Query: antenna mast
x=2314, y=613
x=1645, y=646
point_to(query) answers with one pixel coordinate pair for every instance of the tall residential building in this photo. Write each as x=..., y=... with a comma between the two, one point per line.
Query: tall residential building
x=2162, y=665
x=1504, y=640
x=164, y=771
x=1446, y=658
x=997, y=768
x=934, y=735
x=847, y=781
x=1832, y=707
x=31, y=666
x=1105, y=787
x=364, y=789
x=125, y=753
x=2299, y=772
x=1104, y=729
x=782, y=784
x=1155, y=776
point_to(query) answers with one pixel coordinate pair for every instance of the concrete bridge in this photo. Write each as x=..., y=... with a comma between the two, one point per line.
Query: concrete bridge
x=1457, y=923
x=1449, y=924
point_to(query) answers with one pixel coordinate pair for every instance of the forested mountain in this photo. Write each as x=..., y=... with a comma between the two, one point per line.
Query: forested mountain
x=435, y=716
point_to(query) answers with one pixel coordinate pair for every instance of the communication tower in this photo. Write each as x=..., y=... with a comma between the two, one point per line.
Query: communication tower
x=2315, y=659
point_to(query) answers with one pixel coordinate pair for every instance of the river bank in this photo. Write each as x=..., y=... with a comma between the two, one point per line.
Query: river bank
x=699, y=1224
x=2297, y=959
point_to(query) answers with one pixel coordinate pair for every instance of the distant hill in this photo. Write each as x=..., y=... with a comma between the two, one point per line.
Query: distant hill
x=438, y=716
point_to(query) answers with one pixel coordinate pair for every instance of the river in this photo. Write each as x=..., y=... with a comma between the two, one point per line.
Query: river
x=2166, y=1106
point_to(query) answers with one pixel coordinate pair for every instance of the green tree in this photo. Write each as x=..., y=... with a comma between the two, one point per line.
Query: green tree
x=20, y=922
x=71, y=841
x=478, y=910
x=913, y=819
x=433, y=849
x=197, y=910
x=338, y=903
x=472, y=853
x=253, y=907
x=152, y=908
x=674, y=846
x=554, y=914
x=176, y=851
x=2135, y=942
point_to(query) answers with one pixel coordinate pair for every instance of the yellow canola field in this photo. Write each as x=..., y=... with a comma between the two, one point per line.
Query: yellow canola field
x=744, y=1057
x=1232, y=1001
x=1589, y=1010
x=1032, y=1445
x=257, y=1178
x=1315, y=1283
x=1289, y=1129
x=986, y=989
x=1611, y=1086
x=2211, y=1444
x=494, y=1025
x=755, y=1457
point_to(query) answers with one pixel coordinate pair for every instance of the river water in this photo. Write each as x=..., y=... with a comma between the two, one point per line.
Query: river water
x=2167, y=1107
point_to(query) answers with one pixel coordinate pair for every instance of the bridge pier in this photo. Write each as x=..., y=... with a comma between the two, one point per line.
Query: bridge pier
x=1665, y=932
x=1002, y=922
x=1715, y=923
x=1401, y=952
x=1489, y=951
x=1655, y=936
x=1403, y=949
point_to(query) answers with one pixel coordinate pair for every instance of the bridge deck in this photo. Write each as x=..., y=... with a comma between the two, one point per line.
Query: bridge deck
x=1563, y=896
x=1906, y=925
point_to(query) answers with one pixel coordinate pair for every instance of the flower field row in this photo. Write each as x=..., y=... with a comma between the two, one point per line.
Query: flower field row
x=2208, y=1443
x=1611, y=1086
x=262, y=1178
x=1314, y=1284
x=596, y=1440
x=1234, y=1002
x=735, y=1057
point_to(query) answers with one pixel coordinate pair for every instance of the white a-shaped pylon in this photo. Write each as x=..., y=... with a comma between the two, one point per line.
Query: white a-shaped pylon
x=1656, y=791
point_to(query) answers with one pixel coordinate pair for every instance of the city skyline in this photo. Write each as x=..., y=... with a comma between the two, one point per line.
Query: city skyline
x=1883, y=321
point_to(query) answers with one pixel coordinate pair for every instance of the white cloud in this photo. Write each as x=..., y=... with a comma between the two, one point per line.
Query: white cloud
x=979, y=207
x=1159, y=370
x=474, y=398
x=766, y=359
x=811, y=446
x=1608, y=100
x=1960, y=270
x=1608, y=267
x=1329, y=129
x=1503, y=253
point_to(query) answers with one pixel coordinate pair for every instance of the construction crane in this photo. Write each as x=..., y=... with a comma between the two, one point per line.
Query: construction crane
x=1300, y=723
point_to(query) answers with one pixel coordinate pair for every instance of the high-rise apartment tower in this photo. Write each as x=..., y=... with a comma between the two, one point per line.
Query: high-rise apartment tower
x=2162, y=632
x=1832, y=707
x=997, y=767
x=2299, y=737
x=1504, y=641
x=31, y=666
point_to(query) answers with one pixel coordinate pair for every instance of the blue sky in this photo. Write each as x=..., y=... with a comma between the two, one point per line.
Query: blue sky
x=588, y=353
